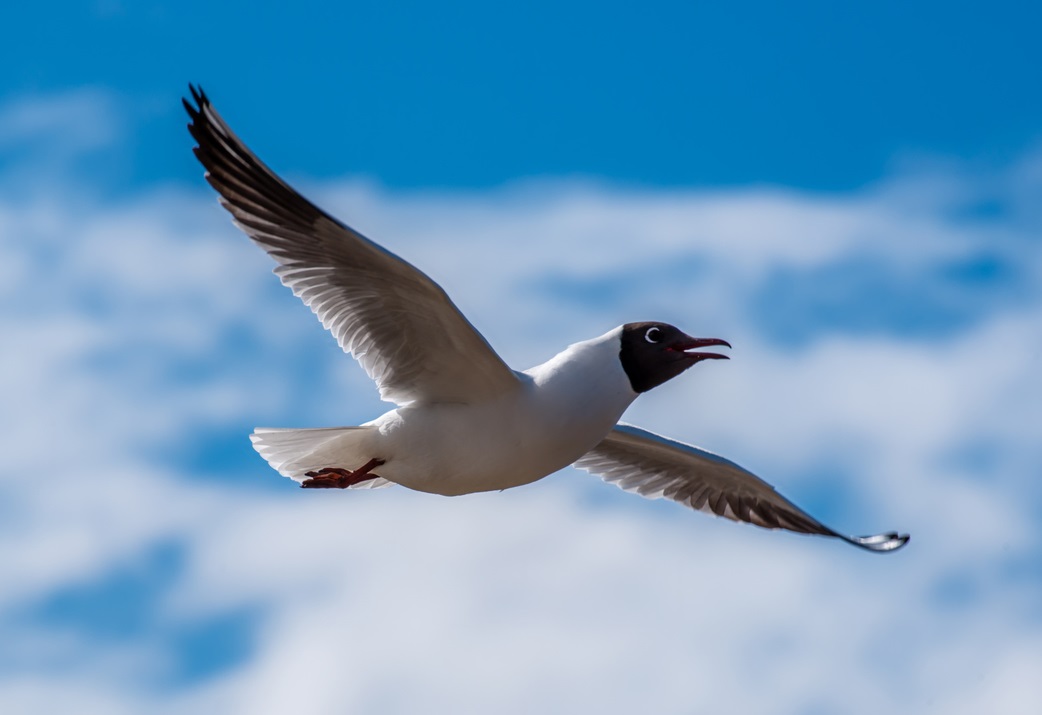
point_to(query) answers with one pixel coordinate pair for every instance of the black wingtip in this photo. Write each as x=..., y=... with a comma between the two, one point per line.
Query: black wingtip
x=198, y=94
x=200, y=99
x=879, y=543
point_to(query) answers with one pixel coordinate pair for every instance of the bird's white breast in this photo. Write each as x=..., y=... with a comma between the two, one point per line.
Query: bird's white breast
x=561, y=410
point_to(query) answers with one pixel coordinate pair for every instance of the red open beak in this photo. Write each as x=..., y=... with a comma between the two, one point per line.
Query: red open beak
x=688, y=345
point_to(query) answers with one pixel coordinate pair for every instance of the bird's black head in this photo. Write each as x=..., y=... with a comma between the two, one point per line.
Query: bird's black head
x=653, y=353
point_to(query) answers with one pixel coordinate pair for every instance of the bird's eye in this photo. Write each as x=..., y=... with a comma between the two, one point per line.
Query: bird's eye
x=653, y=335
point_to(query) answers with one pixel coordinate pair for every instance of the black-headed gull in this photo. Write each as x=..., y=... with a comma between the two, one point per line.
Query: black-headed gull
x=465, y=421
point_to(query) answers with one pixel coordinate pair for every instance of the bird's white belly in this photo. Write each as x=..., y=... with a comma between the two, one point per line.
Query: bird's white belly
x=459, y=449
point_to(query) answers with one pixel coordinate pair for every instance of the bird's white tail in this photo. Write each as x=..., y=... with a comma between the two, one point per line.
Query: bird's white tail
x=294, y=452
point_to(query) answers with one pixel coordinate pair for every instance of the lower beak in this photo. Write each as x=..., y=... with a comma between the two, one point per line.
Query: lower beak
x=689, y=346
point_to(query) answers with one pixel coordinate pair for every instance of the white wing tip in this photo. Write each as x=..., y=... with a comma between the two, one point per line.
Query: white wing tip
x=879, y=543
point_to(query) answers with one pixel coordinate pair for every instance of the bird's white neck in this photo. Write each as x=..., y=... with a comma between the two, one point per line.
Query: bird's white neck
x=588, y=374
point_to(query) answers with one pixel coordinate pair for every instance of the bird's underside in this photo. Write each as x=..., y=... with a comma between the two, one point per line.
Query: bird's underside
x=634, y=460
x=420, y=349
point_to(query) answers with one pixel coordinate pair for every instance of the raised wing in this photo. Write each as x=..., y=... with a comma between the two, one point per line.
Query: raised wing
x=653, y=466
x=398, y=323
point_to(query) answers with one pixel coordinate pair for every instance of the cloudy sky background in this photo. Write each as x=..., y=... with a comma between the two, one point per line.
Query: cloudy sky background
x=851, y=198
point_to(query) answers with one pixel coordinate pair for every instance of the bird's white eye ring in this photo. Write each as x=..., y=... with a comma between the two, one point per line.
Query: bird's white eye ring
x=653, y=335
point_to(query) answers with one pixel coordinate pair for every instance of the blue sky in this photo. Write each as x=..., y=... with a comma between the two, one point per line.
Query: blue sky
x=850, y=195
x=471, y=94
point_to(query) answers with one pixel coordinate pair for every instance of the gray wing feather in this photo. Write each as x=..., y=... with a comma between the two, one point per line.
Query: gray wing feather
x=653, y=466
x=398, y=323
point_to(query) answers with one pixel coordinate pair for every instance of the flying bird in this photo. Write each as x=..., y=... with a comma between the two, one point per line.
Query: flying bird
x=465, y=421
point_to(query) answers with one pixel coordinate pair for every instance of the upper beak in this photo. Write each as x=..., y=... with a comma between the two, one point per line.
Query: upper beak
x=688, y=345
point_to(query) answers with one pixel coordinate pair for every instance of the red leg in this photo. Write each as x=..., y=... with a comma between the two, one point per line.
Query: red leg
x=337, y=478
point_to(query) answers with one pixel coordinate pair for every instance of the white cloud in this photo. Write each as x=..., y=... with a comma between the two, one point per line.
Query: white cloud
x=84, y=117
x=41, y=137
x=133, y=328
